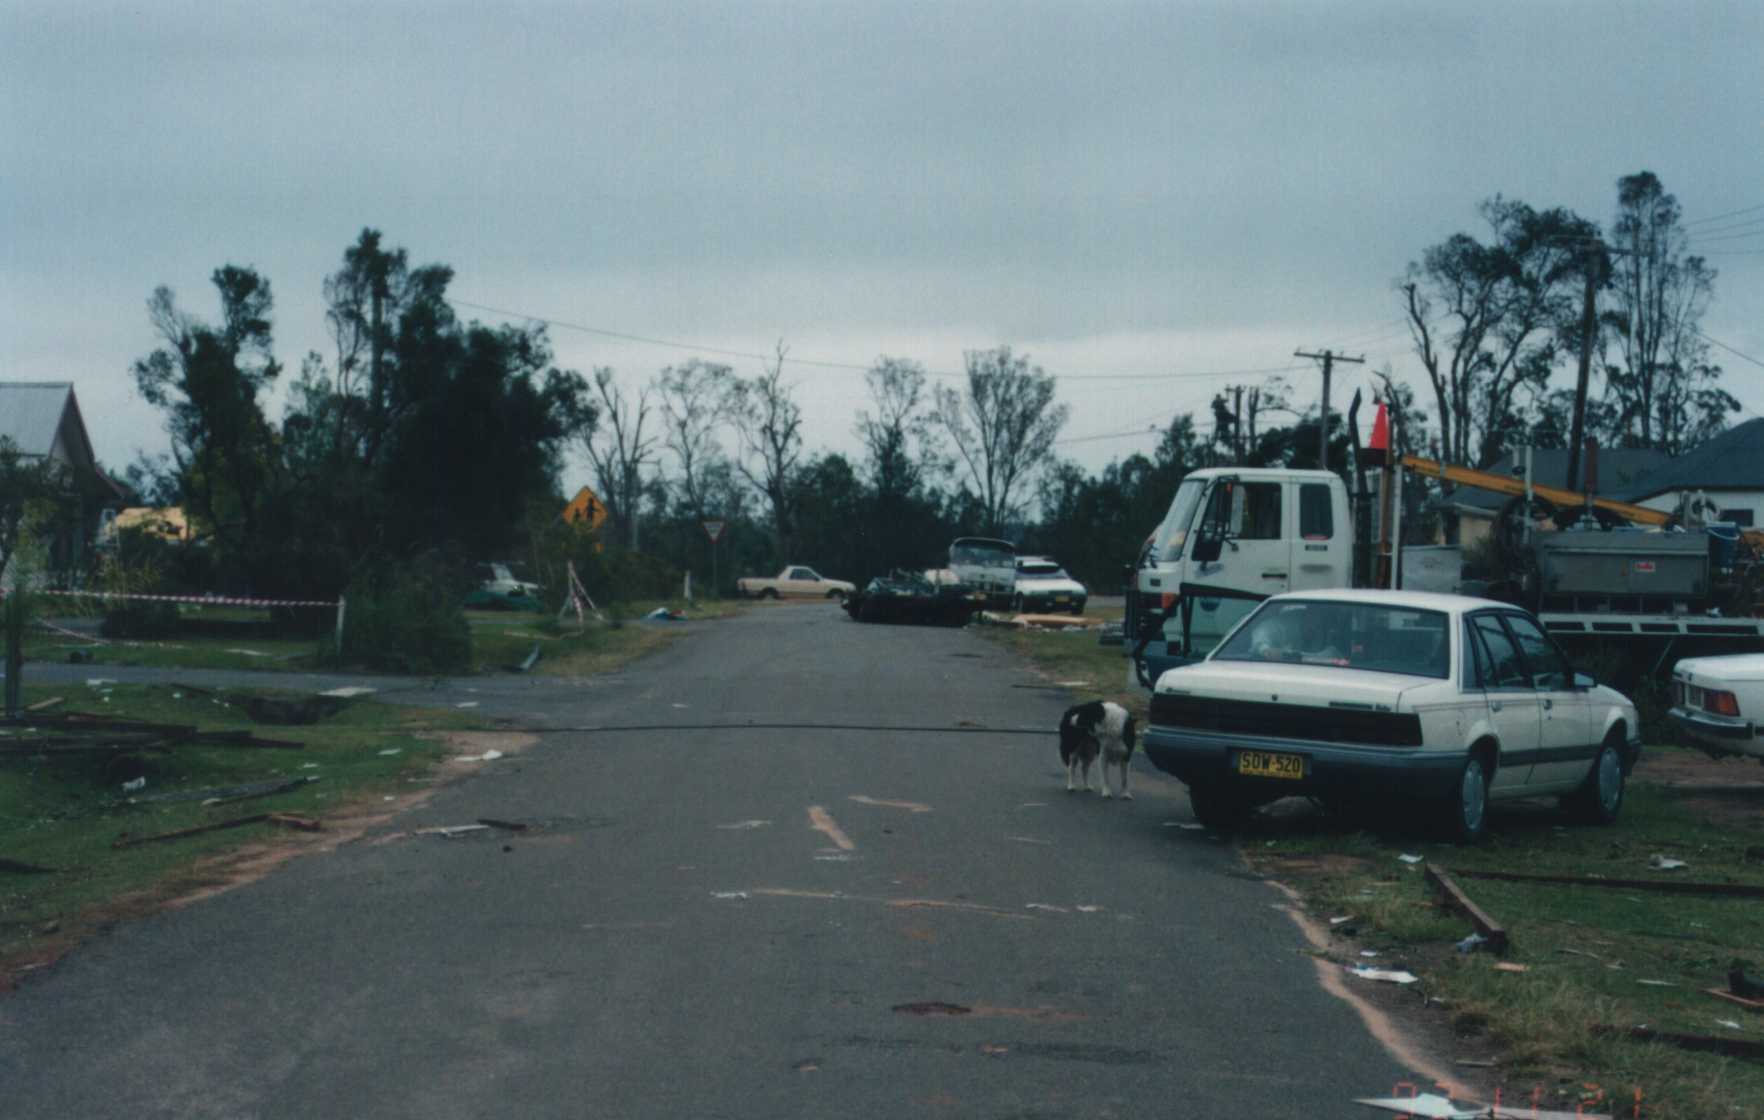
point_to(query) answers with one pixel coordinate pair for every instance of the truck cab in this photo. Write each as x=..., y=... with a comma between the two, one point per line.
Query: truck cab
x=1232, y=537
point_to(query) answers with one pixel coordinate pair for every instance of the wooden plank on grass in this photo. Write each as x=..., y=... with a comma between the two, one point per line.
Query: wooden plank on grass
x=1490, y=929
x=45, y=705
x=126, y=841
x=20, y=867
x=1732, y=1047
x=1730, y=890
x=1755, y=1006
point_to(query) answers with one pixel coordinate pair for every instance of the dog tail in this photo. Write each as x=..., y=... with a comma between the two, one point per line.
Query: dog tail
x=1130, y=734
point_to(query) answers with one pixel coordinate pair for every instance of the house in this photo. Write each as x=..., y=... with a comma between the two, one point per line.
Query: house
x=42, y=420
x=1620, y=470
x=1728, y=470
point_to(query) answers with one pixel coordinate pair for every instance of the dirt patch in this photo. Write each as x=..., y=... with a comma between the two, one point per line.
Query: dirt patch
x=467, y=746
x=1722, y=791
x=1328, y=863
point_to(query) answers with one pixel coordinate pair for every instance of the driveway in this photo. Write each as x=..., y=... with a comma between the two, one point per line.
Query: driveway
x=794, y=866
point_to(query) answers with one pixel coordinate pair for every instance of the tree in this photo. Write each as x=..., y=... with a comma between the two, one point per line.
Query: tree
x=694, y=400
x=1665, y=388
x=619, y=451
x=207, y=379
x=1482, y=319
x=31, y=486
x=1003, y=427
x=770, y=423
x=897, y=436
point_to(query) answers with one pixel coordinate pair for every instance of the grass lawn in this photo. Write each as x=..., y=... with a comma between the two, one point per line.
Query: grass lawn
x=64, y=812
x=500, y=639
x=1586, y=949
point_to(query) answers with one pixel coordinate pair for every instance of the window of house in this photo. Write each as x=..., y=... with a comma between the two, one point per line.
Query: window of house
x=1741, y=517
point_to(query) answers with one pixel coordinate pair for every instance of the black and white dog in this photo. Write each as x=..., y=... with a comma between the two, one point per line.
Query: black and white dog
x=1100, y=727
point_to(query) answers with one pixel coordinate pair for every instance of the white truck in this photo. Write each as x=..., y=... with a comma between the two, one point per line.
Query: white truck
x=1233, y=536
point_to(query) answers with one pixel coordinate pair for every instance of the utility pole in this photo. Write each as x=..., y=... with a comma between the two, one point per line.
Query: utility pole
x=1237, y=425
x=1328, y=358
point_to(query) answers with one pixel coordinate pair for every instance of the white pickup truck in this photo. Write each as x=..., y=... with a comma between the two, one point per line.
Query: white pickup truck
x=794, y=582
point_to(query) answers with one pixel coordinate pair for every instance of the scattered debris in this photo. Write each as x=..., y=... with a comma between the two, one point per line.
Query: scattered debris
x=20, y=867
x=1660, y=863
x=248, y=652
x=132, y=786
x=1472, y=943
x=931, y=1007
x=1728, y=1023
x=744, y=826
x=1509, y=966
x=1658, y=983
x=1409, y=859
x=467, y=704
x=1044, y=906
x=1398, y=976
x=1341, y=919
x=1429, y=1105
x=1741, y=1001
x=994, y=1051
x=1492, y=931
x=451, y=831
x=1732, y=1047
x=390, y=751
x=487, y=756
x=1368, y=952
x=527, y=663
x=1088, y=909
x=347, y=692
x=506, y=826
x=726, y=895
x=126, y=841
x=909, y=806
x=220, y=794
x=1030, y=840
x=1734, y=890
x=1741, y=984
x=663, y=614
x=807, y=1065
x=44, y=705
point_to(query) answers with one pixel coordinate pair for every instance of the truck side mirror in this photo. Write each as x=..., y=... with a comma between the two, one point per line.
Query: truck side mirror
x=1207, y=549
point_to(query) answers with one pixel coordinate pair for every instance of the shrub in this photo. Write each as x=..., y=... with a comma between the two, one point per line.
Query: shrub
x=408, y=617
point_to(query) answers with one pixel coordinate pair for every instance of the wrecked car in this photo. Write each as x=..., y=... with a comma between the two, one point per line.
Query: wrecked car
x=912, y=597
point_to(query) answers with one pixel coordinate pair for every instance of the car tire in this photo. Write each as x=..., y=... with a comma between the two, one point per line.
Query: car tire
x=1078, y=609
x=1600, y=798
x=1217, y=806
x=1017, y=605
x=1464, y=811
x=769, y=593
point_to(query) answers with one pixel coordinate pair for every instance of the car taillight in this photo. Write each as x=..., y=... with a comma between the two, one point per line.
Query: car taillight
x=1721, y=703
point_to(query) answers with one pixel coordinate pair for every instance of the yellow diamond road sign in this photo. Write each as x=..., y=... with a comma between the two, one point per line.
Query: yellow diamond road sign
x=586, y=507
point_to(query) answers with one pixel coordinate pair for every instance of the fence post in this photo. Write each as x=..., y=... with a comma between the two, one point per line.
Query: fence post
x=342, y=605
x=14, y=624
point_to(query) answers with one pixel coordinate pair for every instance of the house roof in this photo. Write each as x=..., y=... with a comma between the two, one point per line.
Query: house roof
x=31, y=412
x=1620, y=470
x=1733, y=460
x=34, y=413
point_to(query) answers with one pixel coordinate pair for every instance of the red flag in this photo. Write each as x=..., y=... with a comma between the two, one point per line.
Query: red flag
x=1378, y=450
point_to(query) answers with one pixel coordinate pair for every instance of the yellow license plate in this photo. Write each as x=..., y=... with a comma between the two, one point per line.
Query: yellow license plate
x=1266, y=764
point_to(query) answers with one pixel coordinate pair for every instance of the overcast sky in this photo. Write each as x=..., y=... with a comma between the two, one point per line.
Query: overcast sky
x=1112, y=188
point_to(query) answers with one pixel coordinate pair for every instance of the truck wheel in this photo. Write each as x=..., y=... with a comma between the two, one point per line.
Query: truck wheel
x=1600, y=798
x=769, y=593
x=1464, y=811
x=1217, y=806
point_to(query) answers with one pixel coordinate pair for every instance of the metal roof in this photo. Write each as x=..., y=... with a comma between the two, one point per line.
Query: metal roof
x=31, y=412
x=1733, y=460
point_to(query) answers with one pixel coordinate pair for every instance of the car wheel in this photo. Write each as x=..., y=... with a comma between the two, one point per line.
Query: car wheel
x=769, y=593
x=1465, y=816
x=1600, y=798
x=836, y=594
x=1078, y=609
x=1217, y=806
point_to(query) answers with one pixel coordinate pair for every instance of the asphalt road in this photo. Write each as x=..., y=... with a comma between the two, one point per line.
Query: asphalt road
x=726, y=921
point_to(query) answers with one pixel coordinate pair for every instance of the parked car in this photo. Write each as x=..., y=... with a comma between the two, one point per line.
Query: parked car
x=794, y=581
x=1395, y=701
x=1042, y=585
x=1718, y=702
x=986, y=566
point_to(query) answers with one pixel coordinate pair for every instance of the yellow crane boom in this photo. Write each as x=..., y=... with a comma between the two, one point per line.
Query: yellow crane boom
x=1507, y=484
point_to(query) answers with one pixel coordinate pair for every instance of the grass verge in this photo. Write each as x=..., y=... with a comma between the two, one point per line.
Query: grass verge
x=1586, y=950
x=64, y=812
x=501, y=639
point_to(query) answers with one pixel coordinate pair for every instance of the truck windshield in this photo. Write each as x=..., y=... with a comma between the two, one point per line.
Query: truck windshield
x=1383, y=639
x=1173, y=533
x=981, y=554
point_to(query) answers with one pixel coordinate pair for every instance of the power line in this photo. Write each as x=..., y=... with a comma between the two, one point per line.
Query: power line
x=1729, y=349
x=1728, y=228
x=1729, y=214
x=603, y=332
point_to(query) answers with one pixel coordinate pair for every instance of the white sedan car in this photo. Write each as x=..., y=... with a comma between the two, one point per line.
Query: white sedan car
x=1719, y=703
x=1042, y=585
x=1390, y=701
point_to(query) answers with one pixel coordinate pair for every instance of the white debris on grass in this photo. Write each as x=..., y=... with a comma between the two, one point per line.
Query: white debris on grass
x=467, y=704
x=348, y=691
x=1409, y=859
x=743, y=826
x=1389, y=976
x=727, y=895
x=132, y=786
x=391, y=751
x=1661, y=863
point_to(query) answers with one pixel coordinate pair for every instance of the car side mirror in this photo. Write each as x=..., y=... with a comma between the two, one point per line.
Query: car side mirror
x=1207, y=549
x=1584, y=681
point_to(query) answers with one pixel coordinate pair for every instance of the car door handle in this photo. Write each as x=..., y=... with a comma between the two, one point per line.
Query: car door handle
x=1273, y=575
x=1548, y=703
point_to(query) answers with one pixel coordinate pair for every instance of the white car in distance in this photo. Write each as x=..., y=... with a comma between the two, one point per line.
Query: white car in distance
x=1042, y=585
x=1718, y=703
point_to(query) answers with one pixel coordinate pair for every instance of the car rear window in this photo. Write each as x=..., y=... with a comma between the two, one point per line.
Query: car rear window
x=1372, y=636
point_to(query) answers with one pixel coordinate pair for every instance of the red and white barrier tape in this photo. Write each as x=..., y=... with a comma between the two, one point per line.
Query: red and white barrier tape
x=205, y=600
